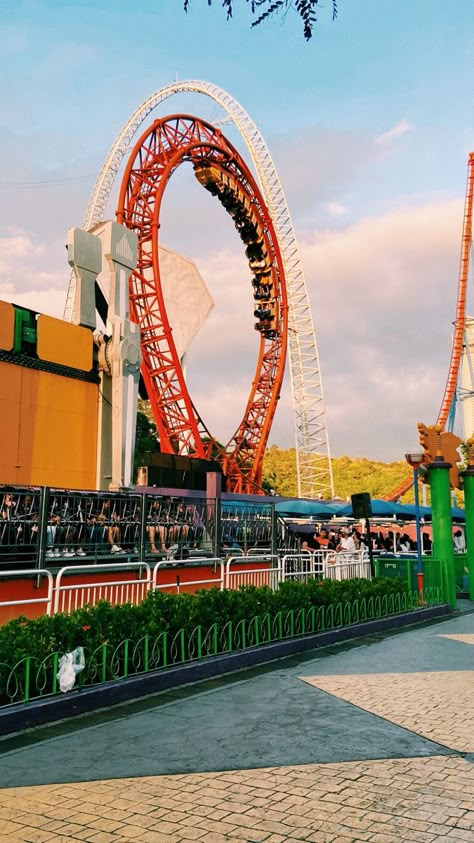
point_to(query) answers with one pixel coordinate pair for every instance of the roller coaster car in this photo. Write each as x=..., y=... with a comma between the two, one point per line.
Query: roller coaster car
x=229, y=201
x=256, y=251
x=267, y=329
x=250, y=232
x=261, y=313
x=206, y=174
x=261, y=284
x=256, y=265
x=262, y=276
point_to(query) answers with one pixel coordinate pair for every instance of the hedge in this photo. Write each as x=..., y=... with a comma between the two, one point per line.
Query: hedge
x=92, y=626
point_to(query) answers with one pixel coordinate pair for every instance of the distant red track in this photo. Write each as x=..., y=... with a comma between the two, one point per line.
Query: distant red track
x=459, y=324
x=163, y=147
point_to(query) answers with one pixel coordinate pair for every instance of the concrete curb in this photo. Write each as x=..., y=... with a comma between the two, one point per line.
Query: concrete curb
x=18, y=717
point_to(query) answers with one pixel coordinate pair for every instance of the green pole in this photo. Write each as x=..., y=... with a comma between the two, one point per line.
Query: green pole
x=468, y=479
x=443, y=523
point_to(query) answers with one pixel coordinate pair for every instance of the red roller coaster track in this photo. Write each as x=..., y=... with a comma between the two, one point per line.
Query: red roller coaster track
x=163, y=147
x=459, y=324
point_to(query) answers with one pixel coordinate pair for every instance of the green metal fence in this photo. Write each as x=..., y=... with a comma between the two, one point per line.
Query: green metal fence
x=32, y=678
x=405, y=567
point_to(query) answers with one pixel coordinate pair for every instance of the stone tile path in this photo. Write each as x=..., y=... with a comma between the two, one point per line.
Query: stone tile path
x=425, y=800
x=438, y=705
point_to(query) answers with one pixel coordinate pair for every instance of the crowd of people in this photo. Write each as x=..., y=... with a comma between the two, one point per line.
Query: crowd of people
x=351, y=540
x=90, y=524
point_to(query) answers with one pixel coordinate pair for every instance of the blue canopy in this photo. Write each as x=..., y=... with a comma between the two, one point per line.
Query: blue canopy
x=380, y=509
x=402, y=511
x=410, y=511
x=302, y=508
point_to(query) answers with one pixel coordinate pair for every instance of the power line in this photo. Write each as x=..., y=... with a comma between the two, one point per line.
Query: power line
x=45, y=183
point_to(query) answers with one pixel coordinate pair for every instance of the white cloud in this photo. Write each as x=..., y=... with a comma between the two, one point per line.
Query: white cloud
x=42, y=301
x=29, y=275
x=399, y=129
x=335, y=209
x=383, y=295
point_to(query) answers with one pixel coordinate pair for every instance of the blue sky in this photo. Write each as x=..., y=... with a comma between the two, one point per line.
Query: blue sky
x=369, y=125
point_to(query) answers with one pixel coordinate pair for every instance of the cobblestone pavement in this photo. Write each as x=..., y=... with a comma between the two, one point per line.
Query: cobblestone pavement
x=426, y=800
x=425, y=796
x=425, y=703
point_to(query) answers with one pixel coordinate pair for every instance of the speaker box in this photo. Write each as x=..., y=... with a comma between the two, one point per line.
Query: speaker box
x=361, y=505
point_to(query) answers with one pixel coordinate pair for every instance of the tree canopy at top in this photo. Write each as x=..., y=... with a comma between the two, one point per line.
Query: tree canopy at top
x=263, y=9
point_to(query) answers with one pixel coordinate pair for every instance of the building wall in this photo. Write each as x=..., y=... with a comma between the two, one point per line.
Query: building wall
x=48, y=429
x=48, y=419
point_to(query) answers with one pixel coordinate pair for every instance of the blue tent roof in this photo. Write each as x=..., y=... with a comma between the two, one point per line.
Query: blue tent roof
x=306, y=507
x=402, y=511
x=380, y=509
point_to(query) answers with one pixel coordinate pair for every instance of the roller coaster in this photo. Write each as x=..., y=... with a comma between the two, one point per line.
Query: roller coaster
x=281, y=308
x=220, y=169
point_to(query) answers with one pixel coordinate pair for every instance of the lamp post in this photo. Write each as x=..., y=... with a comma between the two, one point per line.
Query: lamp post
x=415, y=459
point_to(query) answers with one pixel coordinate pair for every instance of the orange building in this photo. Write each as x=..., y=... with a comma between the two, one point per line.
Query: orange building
x=48, y=401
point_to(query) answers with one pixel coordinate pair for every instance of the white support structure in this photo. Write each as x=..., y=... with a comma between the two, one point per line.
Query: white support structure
x=110, y=249
x=466, y=379
x=313, y=461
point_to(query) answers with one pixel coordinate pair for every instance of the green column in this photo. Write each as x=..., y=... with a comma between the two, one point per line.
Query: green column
x=443, y=524
x=468, y=478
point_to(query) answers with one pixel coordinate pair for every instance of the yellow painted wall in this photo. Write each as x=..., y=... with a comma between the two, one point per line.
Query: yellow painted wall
x=48, y=429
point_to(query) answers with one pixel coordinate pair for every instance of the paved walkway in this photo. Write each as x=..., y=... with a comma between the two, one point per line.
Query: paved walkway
x=367, y=741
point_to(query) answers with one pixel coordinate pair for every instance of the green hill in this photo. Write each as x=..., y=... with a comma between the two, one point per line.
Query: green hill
x=351, y=475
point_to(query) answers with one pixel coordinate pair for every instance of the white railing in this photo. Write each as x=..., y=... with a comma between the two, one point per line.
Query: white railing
x=47, y=598
x=301, y=566
x=269, y=576
x=326, y=564
x=258, y=570
x=347, y=566
x=68, y=597
x=180, y=583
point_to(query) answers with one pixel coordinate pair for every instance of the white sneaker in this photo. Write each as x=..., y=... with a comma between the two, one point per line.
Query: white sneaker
x=80, y=551
x=116, y=549
x=49, y=553
x=56, y=552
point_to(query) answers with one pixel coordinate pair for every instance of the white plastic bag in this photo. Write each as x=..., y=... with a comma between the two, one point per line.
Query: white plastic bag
x=69, y=665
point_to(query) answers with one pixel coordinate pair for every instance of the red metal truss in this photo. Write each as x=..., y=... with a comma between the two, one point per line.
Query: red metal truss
x=163, y=147
x=460, y=322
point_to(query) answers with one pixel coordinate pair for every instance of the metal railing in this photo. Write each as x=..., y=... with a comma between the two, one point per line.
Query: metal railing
x=326, y=564
x=301, y=567
x=71, y=596
x=347, y=566
x=47, y=599
x=130, y=581
x=268, y=573
x=180, y=584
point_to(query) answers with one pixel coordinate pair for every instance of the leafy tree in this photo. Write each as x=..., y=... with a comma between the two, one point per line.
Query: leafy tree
x=263, y=9
x=146, y=440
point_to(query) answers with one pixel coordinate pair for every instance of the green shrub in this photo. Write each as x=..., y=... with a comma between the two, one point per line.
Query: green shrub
x=92, y=626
